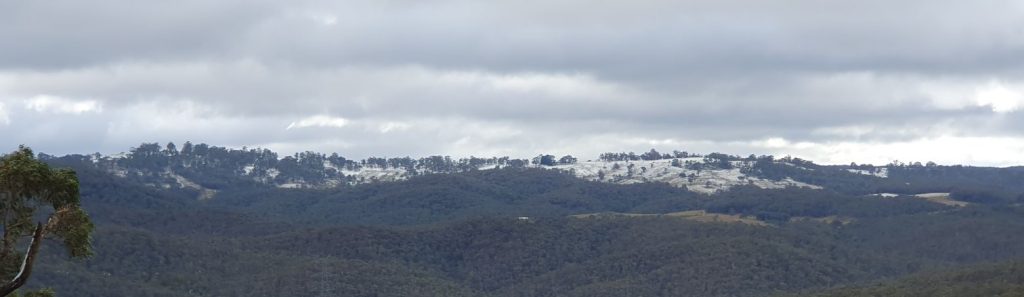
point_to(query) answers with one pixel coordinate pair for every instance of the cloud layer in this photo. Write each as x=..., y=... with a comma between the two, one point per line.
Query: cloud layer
x=867, y=81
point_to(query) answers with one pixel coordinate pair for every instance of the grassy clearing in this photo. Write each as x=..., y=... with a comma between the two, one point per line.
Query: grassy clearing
x=941, y=198
x=826, y=220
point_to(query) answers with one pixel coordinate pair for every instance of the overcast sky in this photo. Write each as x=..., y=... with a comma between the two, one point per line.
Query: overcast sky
x=866, y=81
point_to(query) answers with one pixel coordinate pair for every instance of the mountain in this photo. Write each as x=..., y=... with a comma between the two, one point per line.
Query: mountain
x=199, y=224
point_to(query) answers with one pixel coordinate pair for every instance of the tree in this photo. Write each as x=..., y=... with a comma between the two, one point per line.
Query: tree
x=651, y=155
x=545, y=160
x=29, y=188
x=186, y=149
x=171, y=149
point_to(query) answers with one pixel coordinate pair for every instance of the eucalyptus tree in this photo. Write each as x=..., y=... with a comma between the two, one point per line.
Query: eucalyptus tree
x=37, y=202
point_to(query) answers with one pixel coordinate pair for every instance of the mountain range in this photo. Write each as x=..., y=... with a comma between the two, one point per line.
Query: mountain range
x=210, y=221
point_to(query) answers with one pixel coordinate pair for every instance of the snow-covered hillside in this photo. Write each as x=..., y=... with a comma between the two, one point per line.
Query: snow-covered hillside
x=209, y=168
x=706, y=180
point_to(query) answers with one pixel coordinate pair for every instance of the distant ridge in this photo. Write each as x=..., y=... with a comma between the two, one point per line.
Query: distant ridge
x=208, y=169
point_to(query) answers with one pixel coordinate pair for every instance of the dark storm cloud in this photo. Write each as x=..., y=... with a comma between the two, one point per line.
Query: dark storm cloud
x=512, y=77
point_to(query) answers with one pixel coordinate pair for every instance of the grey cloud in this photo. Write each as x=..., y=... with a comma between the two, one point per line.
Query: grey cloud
x=71, y=34
x=619, y=39
x=743, y=111
x=508, y=76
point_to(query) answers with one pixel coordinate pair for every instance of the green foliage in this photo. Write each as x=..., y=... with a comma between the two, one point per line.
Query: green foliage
x=28, y=189
x=37, y=293
x=74, y=227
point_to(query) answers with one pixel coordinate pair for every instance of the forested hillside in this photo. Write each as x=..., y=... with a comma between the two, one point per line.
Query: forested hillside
x=999, y=280
x=531, y=231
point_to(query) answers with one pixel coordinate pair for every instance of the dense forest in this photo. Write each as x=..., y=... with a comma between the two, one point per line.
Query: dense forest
x=529, y=231
x=999, y=280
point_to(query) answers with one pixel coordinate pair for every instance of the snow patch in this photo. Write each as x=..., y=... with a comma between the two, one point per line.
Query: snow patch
x=290, y=185
x=706, y=181
x=273, y=173
x=204, y=193
x=693, y=173
x=370, y=174
x=879, y=172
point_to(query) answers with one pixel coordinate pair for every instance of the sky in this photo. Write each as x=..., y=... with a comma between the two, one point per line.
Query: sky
x=836, y=82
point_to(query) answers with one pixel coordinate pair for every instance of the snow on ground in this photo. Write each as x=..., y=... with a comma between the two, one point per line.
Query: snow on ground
x=369, y=174
x=488, y=167
x=703, y=181
x=290, y=185
x=706, y=180
x=879, y=172
x=204, y=193
x=272, y=173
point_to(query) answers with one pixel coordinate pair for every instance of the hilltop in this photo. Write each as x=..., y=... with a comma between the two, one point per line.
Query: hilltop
x=209, y=169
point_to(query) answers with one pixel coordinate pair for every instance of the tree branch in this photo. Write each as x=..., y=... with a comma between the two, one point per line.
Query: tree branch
x=26, y=266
